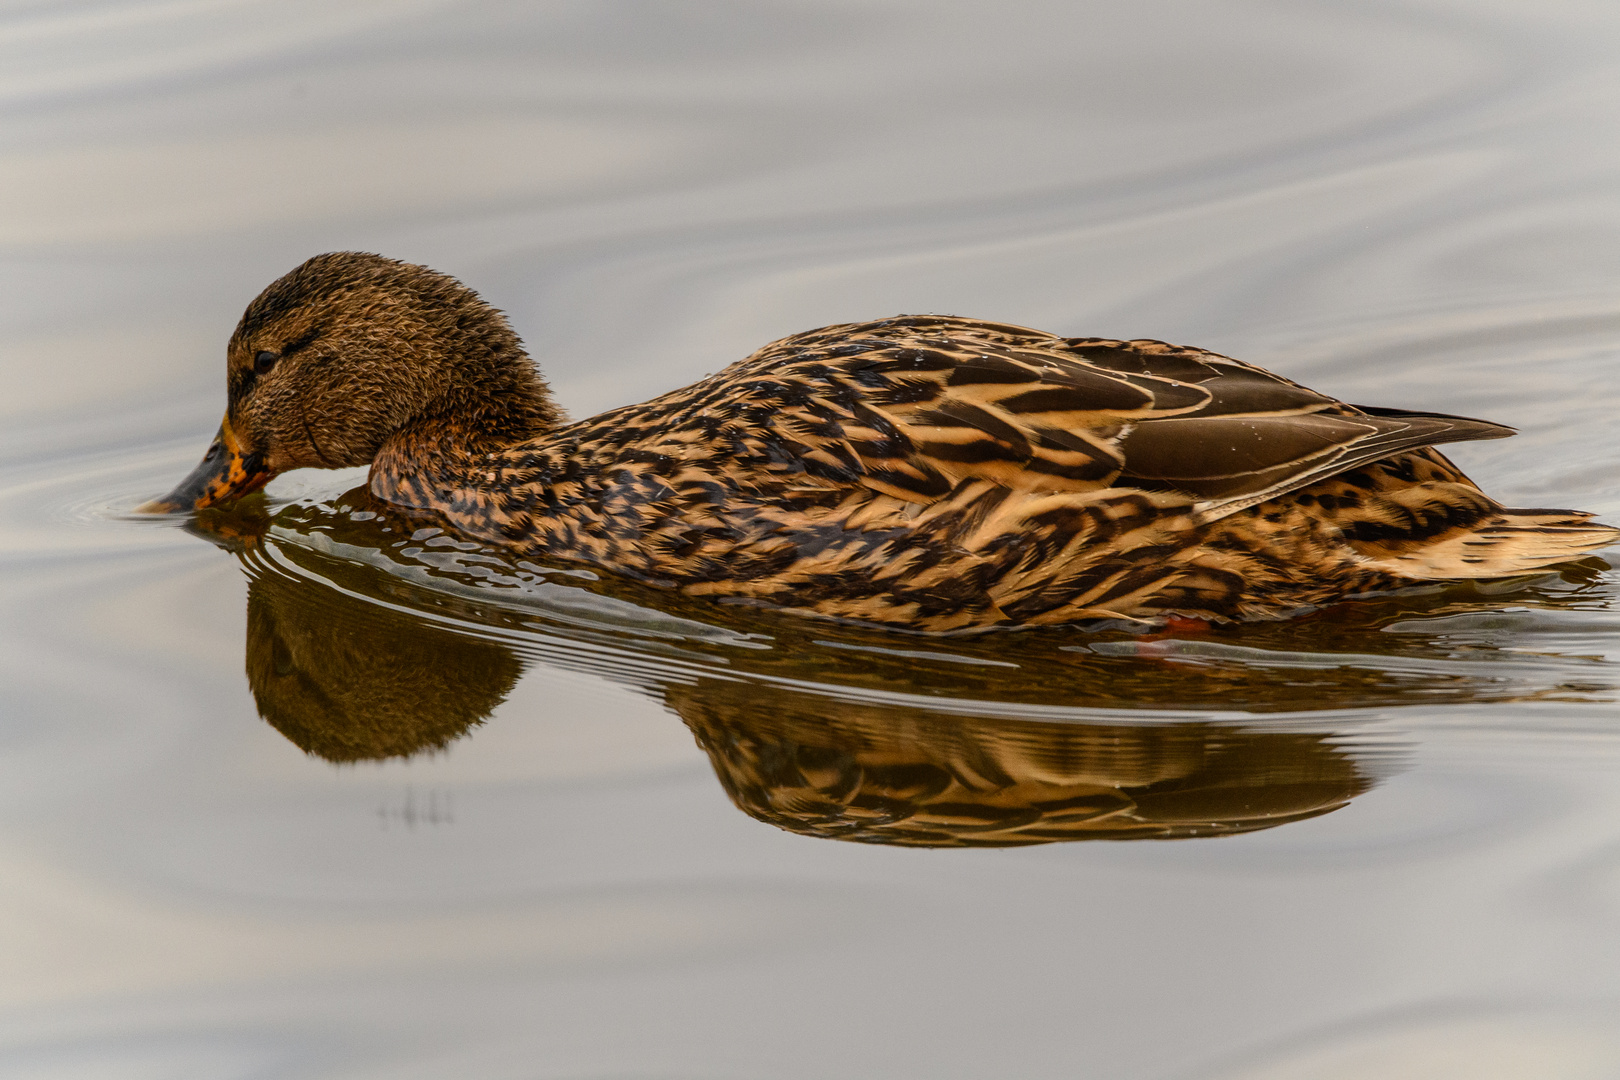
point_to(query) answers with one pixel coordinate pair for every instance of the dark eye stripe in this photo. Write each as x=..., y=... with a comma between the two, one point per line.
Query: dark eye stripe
x=299, y=342
x=265, y=359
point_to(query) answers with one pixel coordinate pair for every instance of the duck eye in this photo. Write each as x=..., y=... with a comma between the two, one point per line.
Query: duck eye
x=264, y=361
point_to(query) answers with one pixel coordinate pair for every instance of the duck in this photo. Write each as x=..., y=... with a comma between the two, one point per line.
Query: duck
x=927, y=473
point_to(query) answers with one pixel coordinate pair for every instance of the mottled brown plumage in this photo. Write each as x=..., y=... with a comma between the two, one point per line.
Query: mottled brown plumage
x=927, y=472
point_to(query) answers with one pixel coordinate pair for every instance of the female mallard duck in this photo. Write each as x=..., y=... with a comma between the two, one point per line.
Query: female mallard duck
x=927, y=472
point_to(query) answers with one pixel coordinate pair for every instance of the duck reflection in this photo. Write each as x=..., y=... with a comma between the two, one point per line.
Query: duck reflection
x=348, y=679
x=370, y=636
x=888, y=774
x=351, y=662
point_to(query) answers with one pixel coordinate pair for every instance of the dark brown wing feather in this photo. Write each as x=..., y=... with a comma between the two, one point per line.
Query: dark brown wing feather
x=1234, y=462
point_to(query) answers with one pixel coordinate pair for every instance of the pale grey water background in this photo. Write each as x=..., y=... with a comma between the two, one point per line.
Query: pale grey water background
x=1405, y=203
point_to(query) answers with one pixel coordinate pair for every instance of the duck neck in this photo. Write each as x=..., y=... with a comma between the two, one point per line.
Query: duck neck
x=493, y=398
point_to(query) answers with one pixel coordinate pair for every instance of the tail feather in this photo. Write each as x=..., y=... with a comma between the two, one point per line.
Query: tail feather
x=1506, y=543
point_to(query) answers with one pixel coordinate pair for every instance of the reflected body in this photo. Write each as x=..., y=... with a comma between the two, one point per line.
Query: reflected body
x=900, y=774
x=366, y=644
x=926, y=473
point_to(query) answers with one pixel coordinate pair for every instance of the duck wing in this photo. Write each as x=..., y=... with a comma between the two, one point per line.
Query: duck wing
x=914, y=406
x=1234, y=462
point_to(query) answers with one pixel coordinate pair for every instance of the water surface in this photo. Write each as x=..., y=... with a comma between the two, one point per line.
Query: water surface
x=287, y=792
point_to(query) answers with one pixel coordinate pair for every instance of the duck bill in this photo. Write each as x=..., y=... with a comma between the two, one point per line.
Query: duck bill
x=225, y=474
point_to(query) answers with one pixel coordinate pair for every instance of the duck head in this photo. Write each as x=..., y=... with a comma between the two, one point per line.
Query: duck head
x=350, y=351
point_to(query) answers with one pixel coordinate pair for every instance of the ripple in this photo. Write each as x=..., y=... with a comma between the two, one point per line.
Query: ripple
x=103, y=47
x=1489, y=1045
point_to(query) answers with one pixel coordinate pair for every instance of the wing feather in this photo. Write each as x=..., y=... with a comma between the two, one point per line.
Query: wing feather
x=1234, y=462
x=915, y=406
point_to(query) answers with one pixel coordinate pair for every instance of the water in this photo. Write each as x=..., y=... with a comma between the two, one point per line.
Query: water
x=283, y=794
